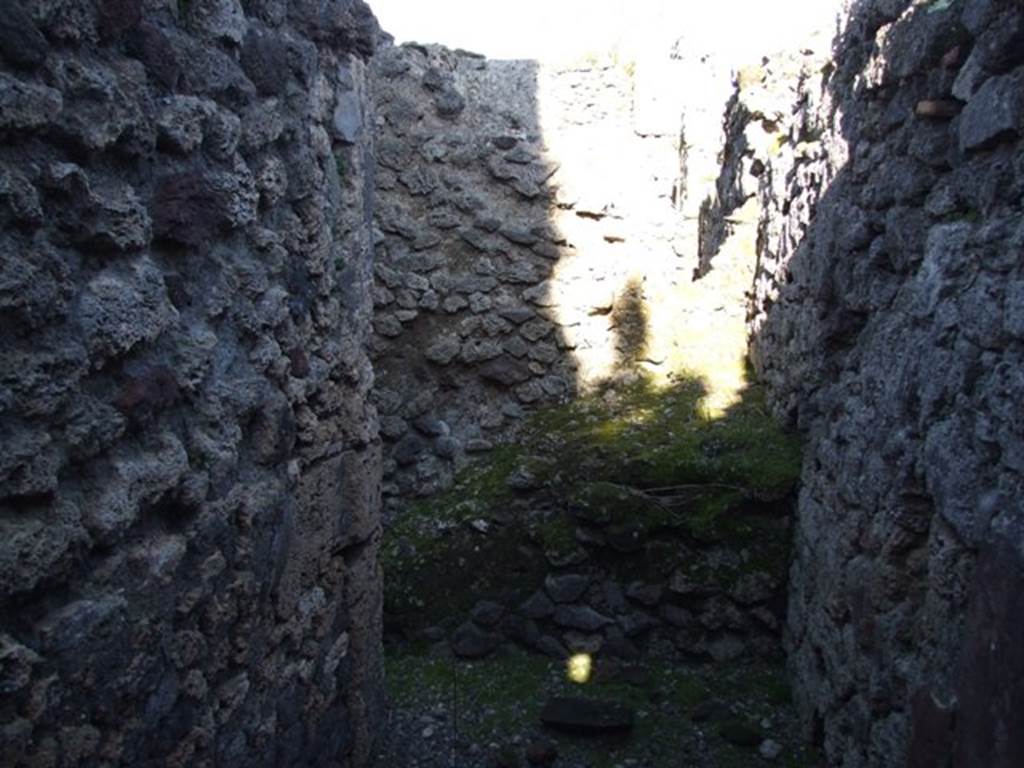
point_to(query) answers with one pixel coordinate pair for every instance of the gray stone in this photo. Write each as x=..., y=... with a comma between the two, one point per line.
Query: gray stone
x=580, y=617
x=537, y=606
x=348, y=117
x=637, y=623
x=971, y=77
x=1001, y=47
x=505, y=370
x=645, y=594
x=117, y=312
x=994, y=114
x=449, y=103
x=517, y=348
x=446, y=447
x=21, y=42
x=516, y=315
x=770, y=750
x=408, y=450
x=479, y=350
x=552, y=646
x=519, y=236
x=477, y=240
x=26, y=106
x=488, y=613
x=444, y=350
x=567, y=588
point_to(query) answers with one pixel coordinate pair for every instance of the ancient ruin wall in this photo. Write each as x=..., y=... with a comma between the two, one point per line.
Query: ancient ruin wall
x=189, y=467
x=887, y=321
x=512, y=244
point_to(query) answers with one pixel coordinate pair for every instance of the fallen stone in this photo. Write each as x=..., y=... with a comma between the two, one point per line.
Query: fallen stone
x=586, y=716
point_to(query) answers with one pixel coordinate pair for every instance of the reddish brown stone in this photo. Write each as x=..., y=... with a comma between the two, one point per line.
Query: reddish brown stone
x=937, y=109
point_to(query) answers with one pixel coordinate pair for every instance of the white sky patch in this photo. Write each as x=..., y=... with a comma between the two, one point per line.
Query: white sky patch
x=553, y=29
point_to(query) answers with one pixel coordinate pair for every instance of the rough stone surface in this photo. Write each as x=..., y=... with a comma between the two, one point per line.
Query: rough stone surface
x=884, y=323
x=189, y=465
x=496, y=245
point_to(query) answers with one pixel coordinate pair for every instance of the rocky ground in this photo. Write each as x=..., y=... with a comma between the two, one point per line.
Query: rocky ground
x=486, y=714
x=493, y=588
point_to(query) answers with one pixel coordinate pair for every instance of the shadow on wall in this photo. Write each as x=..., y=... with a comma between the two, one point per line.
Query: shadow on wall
x=522, y=264
x=886, y=322
x=511, y=268
x=629, y=324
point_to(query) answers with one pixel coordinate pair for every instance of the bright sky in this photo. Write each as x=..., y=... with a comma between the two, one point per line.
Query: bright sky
x=555, y=28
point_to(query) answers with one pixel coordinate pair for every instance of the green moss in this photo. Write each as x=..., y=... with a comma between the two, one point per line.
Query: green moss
x=637, y=457
x=650, y=438
x=557, y=536
x=606, y=503
x=506, y=693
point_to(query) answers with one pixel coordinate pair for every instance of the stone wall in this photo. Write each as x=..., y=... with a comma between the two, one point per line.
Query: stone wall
x=189, y=466
x=887, y=322
x=512, y=248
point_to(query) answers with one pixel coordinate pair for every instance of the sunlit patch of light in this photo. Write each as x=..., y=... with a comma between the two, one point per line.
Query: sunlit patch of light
x=579, y=668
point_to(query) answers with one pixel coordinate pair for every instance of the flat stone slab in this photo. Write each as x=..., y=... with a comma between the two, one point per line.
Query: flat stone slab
x=586, y=716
